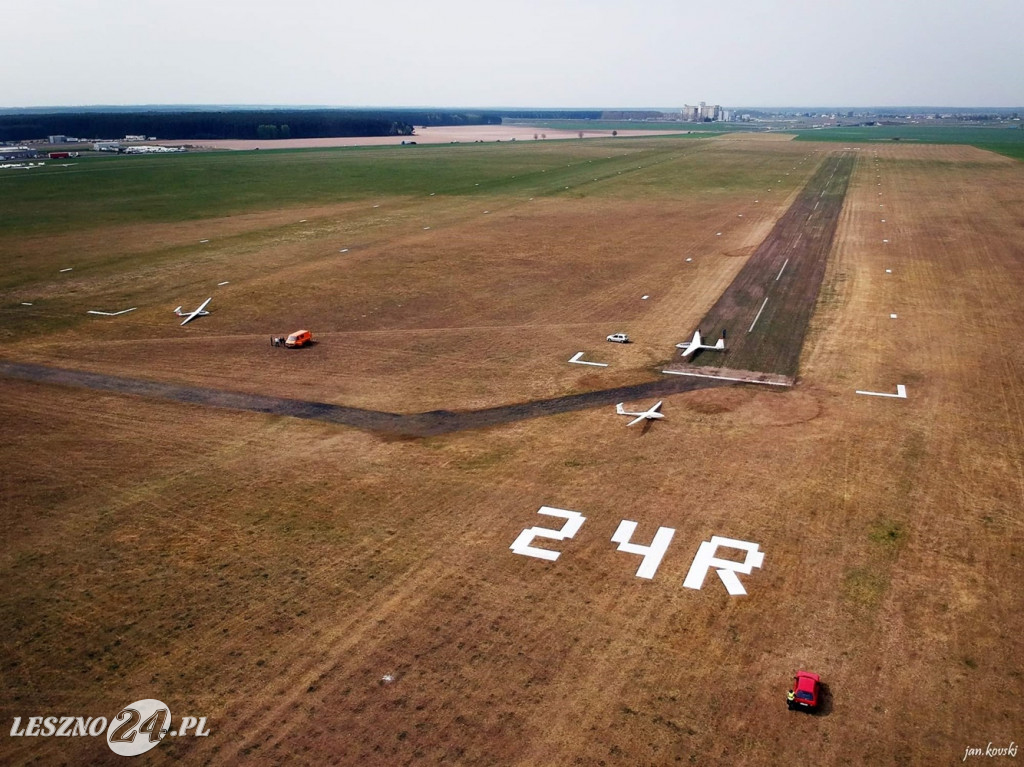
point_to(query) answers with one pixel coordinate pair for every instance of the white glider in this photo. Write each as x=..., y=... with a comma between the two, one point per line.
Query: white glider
x=200, y=312
x=696, y=343
x=647, y=415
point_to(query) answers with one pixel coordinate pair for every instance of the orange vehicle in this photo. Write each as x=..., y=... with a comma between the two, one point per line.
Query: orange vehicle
x=299, y=339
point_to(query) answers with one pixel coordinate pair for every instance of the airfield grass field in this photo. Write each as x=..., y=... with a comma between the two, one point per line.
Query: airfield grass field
x=329, y=595
x=1001, y=138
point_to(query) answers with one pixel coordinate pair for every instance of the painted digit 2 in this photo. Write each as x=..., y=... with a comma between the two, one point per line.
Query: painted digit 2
x=703, y=561
x=573, y=522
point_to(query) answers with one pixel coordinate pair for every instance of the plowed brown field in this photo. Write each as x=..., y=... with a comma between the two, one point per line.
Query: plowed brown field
x=327, y=595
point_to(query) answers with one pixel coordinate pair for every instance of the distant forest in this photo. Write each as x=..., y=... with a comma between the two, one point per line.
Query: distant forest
x=262, y=124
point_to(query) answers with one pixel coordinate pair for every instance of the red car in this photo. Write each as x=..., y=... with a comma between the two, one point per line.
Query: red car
x=806, y=692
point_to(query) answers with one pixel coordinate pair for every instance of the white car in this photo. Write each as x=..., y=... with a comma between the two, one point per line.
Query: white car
x=619, y=338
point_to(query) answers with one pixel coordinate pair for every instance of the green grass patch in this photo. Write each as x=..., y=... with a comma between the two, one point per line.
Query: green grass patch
x=864, y=586
x=1016, y=151
x=888, y=533
x=103, y=191
x=1002, y=139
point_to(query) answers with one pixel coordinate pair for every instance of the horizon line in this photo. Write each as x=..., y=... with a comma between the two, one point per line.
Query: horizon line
x=212, y=105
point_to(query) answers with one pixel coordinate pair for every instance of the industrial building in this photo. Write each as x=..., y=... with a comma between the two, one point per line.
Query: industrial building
x=704, y=113
x=17, y=153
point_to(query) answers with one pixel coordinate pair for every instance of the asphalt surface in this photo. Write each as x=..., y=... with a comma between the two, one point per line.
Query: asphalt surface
x=767, y=308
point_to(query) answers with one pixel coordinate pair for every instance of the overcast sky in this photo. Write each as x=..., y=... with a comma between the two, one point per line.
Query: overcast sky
x=543, y=53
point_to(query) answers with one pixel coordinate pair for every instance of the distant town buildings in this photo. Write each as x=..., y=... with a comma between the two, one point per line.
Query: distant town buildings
x=705, y=113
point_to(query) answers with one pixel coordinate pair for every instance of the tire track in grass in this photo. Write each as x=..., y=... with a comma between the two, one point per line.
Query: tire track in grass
x=426, y=424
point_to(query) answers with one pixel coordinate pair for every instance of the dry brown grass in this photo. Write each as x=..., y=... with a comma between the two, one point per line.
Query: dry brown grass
x=267, y=573
x=463, y=311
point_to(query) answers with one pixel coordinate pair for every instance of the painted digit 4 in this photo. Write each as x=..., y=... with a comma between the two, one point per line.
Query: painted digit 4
x=652, y=555
x=573, y=522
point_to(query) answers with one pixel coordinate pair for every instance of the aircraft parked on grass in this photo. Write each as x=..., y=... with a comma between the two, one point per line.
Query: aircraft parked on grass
x=696, y=343
x=647, y=415
x=200, y=312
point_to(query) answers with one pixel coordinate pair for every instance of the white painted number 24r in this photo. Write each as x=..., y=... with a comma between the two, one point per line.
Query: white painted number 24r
x=652, y=554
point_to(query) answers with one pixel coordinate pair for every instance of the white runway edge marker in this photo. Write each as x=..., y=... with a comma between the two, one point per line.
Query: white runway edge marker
x=782, y=269
x=202, y=241
x=725, y=378
x=112, y=314
x=892, y=316
x=576, y=359
x=222, y=284
x=68, y=269
x=25, y=303
x=758, y=314
x=901, y=392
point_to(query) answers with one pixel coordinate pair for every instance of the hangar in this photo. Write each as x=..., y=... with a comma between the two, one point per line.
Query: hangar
x=17, y=153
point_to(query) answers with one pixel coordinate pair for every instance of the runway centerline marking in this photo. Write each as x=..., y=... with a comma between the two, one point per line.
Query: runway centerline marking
x=758, y=314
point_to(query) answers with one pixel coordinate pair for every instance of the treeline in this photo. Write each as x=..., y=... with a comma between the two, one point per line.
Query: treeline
x=200, y=126
x=633, y=114
x=259, y=124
